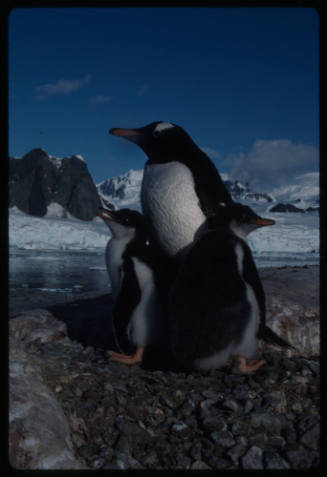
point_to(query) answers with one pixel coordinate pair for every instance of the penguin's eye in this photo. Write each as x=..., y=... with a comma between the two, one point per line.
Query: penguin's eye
x=156, y=134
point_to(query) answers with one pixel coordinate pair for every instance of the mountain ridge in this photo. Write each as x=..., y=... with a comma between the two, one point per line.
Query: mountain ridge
x=124, y=191
x=43, y=185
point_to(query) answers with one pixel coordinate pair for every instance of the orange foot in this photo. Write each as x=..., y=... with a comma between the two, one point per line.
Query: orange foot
x=243, y=367
x=127, y=359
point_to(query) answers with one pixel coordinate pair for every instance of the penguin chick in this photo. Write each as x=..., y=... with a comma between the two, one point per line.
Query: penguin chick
x=217, y=302
x=181, y=186
x=132, y=258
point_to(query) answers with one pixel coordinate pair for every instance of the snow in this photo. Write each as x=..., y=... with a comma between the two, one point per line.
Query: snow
x=124, y=190
x=57, y=210
x=304, y=192
x=53, y=233
x=81, y=158
x=292, y=233
x=57, y=161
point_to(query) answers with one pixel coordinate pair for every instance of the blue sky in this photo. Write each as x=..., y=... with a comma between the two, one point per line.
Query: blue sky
x=242, y=81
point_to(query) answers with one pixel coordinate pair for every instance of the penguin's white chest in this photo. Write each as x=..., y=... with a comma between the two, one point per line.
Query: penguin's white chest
x=169, y=199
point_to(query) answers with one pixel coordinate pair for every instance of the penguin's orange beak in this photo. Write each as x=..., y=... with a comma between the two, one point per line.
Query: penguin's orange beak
x=125, y=132
x=262, y=222
x=106, y=214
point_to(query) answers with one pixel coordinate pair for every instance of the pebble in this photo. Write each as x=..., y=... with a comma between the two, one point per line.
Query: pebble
x=311, y=437
x=298, y=457
x=213, y=423
x=200, y=465
x=236, y=451
x=223, y=438
x=178, y=427
x=248, y=406
x=231, y=405
x=273, y=461
x=252, y=459
x=277, y=441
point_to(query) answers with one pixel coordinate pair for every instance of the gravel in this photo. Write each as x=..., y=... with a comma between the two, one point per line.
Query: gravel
x=129, y=418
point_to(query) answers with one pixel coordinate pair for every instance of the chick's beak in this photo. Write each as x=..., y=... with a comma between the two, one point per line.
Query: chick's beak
x=261, y=222
x=106, y=214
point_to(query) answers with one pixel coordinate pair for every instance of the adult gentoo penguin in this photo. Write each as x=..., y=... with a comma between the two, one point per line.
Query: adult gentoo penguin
x=132, y=259
x=217, y=302
x=181, y=186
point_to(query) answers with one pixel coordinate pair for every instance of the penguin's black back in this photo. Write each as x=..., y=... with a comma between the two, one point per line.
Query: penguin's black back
x=208, y=305
x=209, y=186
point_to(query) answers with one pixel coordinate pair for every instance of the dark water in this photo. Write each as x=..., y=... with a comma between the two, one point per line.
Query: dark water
x=86, y=271
x=73, y=286
x=58, y=271
x=39, y=278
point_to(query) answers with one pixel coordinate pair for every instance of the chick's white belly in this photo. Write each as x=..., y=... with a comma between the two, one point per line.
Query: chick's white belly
x=146, y=319
x=169, y=199
x=249, y=342
x=114, y=260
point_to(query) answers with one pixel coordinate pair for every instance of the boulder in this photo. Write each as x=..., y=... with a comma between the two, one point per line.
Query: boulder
x=39, y=433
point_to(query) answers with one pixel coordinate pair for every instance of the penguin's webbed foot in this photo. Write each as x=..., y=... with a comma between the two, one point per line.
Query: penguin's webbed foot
x=248, y=367
x=126, y=358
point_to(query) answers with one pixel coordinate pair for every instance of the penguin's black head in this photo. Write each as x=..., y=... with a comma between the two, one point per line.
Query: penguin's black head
x=240, y=218
x=124, y=222
x=161, y=141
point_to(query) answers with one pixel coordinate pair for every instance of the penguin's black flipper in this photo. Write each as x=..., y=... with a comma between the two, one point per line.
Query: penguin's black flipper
x=270, y=336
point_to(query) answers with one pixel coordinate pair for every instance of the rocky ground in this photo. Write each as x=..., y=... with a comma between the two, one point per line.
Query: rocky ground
x=71, y=407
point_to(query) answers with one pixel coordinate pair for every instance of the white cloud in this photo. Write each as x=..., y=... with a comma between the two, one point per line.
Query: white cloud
x=62, y=86
x=143, y=89
x=212, y=153
x=272, y=163
x=99, y=99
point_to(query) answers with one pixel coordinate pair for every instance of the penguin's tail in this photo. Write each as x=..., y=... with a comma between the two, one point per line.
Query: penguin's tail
x=271, y=337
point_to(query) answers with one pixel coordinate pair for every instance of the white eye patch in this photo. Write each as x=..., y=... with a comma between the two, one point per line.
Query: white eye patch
x=162, y=126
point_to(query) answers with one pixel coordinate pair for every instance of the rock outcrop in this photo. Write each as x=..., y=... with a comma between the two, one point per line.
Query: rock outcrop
x=37, y=180
x=286, y=208
x=39, y=434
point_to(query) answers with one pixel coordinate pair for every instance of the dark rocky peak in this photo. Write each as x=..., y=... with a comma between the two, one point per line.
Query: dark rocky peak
x=37, y=180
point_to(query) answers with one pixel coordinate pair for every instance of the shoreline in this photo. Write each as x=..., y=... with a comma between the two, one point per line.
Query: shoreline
x=24, y=299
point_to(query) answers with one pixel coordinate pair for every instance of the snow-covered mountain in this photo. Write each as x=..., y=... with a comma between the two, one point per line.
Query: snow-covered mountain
x=124, y=191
